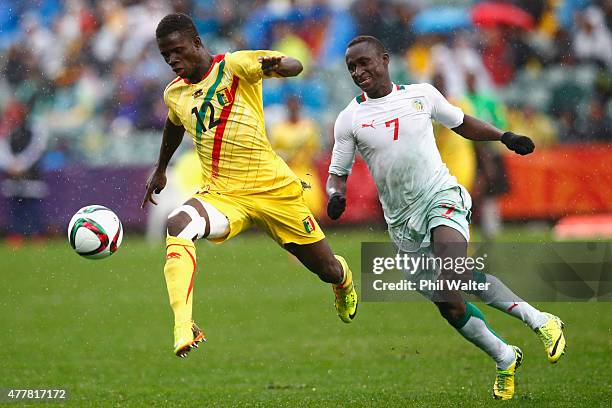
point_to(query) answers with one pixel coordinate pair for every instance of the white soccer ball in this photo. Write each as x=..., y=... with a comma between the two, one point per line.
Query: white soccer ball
x=95, y=232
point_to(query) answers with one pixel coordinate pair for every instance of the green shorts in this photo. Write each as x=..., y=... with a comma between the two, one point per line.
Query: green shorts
x=450, y=207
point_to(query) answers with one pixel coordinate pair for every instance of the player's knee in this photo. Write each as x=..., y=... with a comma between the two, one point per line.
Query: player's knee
x=177, y=223
x=452, y=311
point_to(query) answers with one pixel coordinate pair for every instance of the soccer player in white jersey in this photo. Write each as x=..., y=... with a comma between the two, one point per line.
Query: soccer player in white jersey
x=391, y=127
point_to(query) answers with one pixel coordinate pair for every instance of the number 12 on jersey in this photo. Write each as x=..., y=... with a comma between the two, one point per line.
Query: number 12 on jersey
x=202, y=113
x=395, y=123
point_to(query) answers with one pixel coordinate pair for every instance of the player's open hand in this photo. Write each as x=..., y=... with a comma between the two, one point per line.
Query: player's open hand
x=517, y=143
x=270, y=65
x=155, y=184
x=336, y=206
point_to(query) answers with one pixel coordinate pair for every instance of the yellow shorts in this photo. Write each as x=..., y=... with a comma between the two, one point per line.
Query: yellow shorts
x=281, y=212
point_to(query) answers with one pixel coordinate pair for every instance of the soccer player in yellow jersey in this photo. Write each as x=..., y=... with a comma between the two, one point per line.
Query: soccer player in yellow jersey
x=217, y=99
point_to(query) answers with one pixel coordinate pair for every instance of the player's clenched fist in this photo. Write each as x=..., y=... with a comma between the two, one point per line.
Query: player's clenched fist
x=336, y=206
x=270, y=64
x=156, y=183
x=517, y=143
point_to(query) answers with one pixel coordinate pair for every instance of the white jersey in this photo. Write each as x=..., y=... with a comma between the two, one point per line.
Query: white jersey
x=394, y=135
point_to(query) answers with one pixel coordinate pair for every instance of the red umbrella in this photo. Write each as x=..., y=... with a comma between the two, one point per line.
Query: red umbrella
x=490, y=14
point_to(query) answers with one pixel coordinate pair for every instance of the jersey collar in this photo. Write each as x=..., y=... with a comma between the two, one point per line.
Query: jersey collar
x=216, y=59
x=363, y=97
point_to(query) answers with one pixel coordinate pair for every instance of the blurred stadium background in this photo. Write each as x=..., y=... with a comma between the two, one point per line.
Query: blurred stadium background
x=82, y=112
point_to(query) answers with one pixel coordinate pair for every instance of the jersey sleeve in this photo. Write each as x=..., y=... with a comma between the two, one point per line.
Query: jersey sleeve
x=245, y=64
x=343, y=154
x=442, y=110
x=172, y=116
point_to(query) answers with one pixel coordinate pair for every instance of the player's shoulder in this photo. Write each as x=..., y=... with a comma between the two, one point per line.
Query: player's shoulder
x=243, y=56
x=175, y=85
x=349, y=110
x=237, y=56
x=421, y=88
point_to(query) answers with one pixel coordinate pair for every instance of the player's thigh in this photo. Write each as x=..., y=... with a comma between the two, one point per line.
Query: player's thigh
x=284, y=215
x=228, y=215
x=196, y=219
x=448, y=221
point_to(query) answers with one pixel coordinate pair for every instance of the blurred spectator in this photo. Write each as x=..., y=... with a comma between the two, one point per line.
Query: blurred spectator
x=98, y=71
x=505, y=51
x=485, y=106
x=297, y=140
x=595, y=126
x=592, y=39
x=497, y=56
x=568, y=126
x=465, y=60
x=529, y=121
x=457, y=152
x=289, y=43
x=491, y=176
x=21, y=148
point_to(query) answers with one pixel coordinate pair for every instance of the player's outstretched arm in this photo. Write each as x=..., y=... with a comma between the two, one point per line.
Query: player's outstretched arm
x=171, y=140
x=336, y=191
x=282, y=66
x=476, y=129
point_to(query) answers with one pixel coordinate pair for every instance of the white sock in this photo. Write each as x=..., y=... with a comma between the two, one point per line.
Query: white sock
x=502, y=298
x=474, y=328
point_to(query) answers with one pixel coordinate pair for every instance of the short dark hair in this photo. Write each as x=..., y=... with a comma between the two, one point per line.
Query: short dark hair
x=176, y=22
x=380, y=47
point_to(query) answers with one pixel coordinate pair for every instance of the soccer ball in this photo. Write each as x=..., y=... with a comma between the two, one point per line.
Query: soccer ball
x=95, y=232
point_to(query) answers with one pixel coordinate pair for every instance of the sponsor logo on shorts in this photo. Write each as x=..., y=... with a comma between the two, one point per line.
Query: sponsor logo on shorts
x=309, y=225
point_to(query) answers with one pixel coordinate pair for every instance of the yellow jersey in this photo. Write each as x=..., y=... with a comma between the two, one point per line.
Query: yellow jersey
x=457, y=152
x=298, y=144
x=224, y=115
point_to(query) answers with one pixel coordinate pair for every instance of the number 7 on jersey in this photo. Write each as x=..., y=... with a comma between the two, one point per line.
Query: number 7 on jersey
x=395, y=123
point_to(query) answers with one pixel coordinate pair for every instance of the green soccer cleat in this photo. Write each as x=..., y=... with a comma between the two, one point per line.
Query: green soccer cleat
x=346, y=296
x=187, y=337
x=346, y=303
x=503, y=388
x=551, y=334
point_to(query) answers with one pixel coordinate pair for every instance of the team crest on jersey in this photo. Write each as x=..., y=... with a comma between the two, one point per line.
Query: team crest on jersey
x=224, y=97
x=417, y=104
x=309, y=224
x=198, y=93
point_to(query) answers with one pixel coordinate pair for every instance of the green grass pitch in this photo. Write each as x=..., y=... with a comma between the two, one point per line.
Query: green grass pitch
x=103, y=330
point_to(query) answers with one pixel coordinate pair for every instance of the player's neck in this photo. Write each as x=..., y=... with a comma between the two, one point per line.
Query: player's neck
x=203, y=67
x=385, y=89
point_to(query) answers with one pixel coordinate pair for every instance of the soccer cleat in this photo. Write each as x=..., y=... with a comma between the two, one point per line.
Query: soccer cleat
x=187, y=337
x=346, y=303
x=503, y=388
x=346, y=296
x=551, y=334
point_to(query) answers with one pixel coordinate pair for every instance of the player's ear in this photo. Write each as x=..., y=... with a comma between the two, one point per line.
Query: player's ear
x=386, y=58
x=197, y=42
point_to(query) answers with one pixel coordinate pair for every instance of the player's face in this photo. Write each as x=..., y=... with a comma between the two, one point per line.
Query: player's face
x=181, y=52
x=366, y=65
